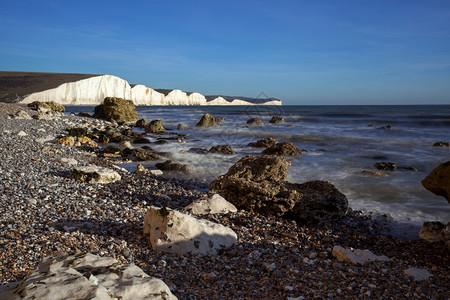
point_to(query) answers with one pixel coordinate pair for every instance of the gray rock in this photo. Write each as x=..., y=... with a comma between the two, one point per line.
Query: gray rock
x=216, y=204
x=95, y=174
x=357, y=256
x=22, y=115
x=22, y=133
x=418, y=274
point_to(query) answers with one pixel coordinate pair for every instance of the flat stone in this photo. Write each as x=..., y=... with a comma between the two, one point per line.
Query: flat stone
x=418, y=274
x=22, y=133
x=357, y=256
x=216, y=204
x=95, y=174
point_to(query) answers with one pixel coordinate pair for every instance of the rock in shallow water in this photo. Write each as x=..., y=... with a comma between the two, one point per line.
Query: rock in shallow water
x=438, y=181
x=86, y=276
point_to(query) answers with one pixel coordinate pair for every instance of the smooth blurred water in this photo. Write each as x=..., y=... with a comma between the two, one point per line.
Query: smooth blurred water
x=340, y=145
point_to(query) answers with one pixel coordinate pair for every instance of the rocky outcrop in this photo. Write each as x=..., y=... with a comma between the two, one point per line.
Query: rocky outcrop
x=215, y=204
x=385, y=166
x=171, y=231
x=438, y=181
x=222, y=149
x=255, y=122
x=154, y=126
x=86, y=276
x=265, y=143
x=286, y=149
x=277, y=120
x=174, y=167
x=206, y=121
x=357, y=256
x=259, y=184
x=95, y=174
x=116, y=110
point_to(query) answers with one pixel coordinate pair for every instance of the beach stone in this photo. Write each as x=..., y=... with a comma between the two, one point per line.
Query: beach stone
x=22, y=133
x=154, y=126
x=277, y=120
x=103, y=139
x=172, y=231
x=286, y=149
x=181, y=127
x=385, y=166
x=125, y=145
x=95, y=174
x=446, y=235
x=140, y=169
x=142, y=140
x=432, y=232
x=265, y=143
x=438, y=181
x=255, y=122
x=375, y=173
x=145, y=154
x=357, y=256
x=221, y=120
x=215, y=204
x=22, y=115
x=206, y=121
x=442, y=144
x=86, y=276
x=68, y=161
x=66, y=140
x=418, y=274
x=222, y=149
x=77, y=131
x=141, y=123
x=174, y=167
x=50, y=150
x=44, y=139
x=198, y=150
x=258, y=184
x=116, y=110
x=50, y=105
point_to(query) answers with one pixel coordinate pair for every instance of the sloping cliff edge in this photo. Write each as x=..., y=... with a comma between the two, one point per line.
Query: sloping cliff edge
x=92, y=90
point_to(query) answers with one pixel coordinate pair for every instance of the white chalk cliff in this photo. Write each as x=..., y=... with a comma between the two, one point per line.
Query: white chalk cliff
x=93, y=90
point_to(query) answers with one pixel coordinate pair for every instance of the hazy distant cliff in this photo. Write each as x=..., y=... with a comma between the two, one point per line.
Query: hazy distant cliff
x=92, y=90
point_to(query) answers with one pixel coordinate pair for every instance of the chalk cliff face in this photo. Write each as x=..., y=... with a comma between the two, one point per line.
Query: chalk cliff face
x=93, y=90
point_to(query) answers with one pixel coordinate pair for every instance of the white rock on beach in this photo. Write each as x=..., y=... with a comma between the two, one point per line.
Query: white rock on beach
x=72, y=277
x=95, y=174
x=171, y=231
x=357, y=256
x=22, y=133
x=418, y=274
x=216, y=204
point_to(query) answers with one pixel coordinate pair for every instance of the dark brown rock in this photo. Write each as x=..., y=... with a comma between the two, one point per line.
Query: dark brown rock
x=49, y=105
x=222, y=149
x=442, y=144
x=255, y=122
x=385, y=166
x=206, y=121
x=116, y=110
x=141, y=123
x=154, y=126
x=182, y=127
x=286, y=149
x=438, y=181
x=171, y=166
x=267, y=142
x=145, y=154
x=277, y=120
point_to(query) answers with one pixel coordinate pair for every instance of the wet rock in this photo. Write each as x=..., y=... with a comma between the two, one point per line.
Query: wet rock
x=67, y=141
x=375, y=173
x=140, y=169
x=385, y=166
x=116, y=110
x=206, y=121
x=77, y=131
x=418, y=274
x=85, y=114
x=154, y=126
x=86, y=276
x=222, y=149
x=221, y=120
x=125, y=145
x=277, y=120
x=357, y=256
x=265, y=143
x=255, y=122
x=51, y=105
x=432, y=231
x=112, y=150
x=259, y=184
x=171, y=231
x=103, y=139
x=286, y=149
x=215, y=204
x=198, y=150
x=141, y=123
x=442, y=144
x=142, y=140
x=387, y=127
x=181, y=127
x=171, y=166
x=145, y=154
x=95, y=174
x=438, y=181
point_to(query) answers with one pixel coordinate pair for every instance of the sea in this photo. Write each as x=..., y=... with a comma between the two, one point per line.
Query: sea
x=339, y=142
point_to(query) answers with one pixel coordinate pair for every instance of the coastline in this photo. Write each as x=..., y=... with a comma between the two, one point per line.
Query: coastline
x=44, y=211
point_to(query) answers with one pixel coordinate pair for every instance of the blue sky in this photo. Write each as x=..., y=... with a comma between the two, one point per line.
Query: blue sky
x=303, y=52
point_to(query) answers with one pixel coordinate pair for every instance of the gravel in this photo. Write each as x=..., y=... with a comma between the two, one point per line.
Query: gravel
x=44, y=210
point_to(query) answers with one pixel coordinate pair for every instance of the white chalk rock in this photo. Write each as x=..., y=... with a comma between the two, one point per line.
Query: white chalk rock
x=22, y=133
x=171, y=231
x=44, y=139
x=95, y=174
x=71, y=277
x=357, y=256
x=418, y=274
x=216, y=204
x=22, y=115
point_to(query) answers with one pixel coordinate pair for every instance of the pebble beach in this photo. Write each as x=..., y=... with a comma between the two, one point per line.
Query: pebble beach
x=44, y=211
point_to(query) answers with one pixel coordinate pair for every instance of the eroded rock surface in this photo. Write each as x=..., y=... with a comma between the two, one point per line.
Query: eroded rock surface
x=438, y=181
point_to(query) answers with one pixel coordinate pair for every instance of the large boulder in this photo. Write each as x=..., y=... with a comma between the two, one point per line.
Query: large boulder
x=258, y=183
x=154, y=126
x=286, y=149
x=95, y=174
x=116, y=110
x=222, y=149
x=438, y=181
x=86, y=276
x=206, y=121
x=265, y=143
x=171, y=231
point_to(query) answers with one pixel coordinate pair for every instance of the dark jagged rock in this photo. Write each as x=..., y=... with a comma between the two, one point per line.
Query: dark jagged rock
x=181, y=127
x=442, y=144
x=141, y=123
x=198, y=150
x=255, y=122
x=154, y=126
x=116, y=110
x=438, y=181
x=277, y=120
x=171, y=166
x=222, y=149
x=142, y=140
x=145, y=154
x=221, y=120
x=259, y=184
x=206, y=121
x=385, y=166
x=267, y=142
x=103, y=139
x=286, y=149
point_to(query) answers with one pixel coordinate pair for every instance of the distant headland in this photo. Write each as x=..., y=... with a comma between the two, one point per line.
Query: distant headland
x=90, y=89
